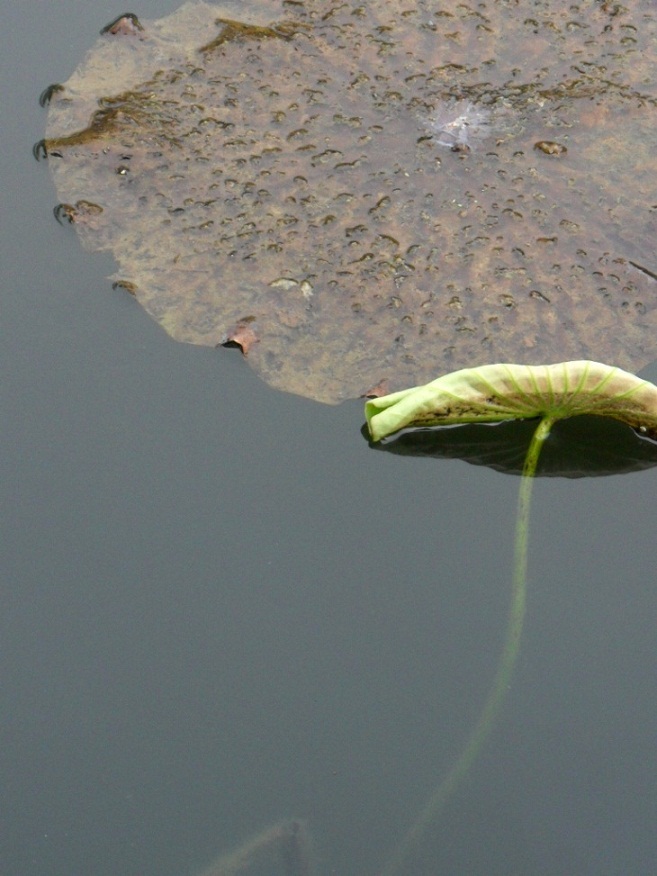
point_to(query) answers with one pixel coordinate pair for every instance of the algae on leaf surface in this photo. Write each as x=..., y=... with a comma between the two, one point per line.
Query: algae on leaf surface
x=283, y=168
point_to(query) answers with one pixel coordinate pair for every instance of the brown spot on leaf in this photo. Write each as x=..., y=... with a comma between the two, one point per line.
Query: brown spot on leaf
x=125, y=25
x=242, y=335
x=80, y=212
x=125, y=286
x=382, y=388
x=549, y=147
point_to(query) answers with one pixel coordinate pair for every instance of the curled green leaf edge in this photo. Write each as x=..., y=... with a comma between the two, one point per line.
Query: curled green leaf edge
x=493, y=393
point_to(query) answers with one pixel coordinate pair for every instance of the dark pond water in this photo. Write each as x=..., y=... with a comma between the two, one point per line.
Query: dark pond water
x=221, y=609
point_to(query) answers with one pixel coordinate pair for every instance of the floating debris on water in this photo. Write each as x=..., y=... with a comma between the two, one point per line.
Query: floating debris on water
x=458, y=124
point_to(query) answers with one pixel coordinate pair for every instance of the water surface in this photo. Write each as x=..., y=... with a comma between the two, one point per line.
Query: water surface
x=221, y=608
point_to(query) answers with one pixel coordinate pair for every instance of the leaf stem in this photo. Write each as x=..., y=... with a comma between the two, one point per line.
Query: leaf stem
x=449, y=784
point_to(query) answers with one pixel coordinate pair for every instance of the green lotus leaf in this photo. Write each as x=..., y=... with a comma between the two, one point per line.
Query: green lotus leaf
x=493, y=393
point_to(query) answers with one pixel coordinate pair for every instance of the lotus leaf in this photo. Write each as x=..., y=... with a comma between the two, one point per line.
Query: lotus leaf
x=352, y=193
x=494, y=393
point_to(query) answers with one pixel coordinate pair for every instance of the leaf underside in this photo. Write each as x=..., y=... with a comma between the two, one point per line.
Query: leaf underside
x=493, y=393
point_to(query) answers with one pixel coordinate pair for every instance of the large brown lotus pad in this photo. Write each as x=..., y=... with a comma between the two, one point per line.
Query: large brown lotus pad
x=278, y=172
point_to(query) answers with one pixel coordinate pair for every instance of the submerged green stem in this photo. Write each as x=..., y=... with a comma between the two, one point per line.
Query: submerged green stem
x=448, y=785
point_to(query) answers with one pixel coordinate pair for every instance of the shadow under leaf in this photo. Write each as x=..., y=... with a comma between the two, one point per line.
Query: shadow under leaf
x=584, y=446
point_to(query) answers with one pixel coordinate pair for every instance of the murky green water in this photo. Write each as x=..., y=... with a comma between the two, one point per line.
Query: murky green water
x=222, y=609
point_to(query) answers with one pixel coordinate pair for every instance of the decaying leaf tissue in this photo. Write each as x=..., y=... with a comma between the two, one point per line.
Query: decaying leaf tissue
x=287, y=171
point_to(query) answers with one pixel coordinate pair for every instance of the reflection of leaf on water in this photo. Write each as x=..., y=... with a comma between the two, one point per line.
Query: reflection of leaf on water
x=280, y=170
x=286, y=846
x=581, y=447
